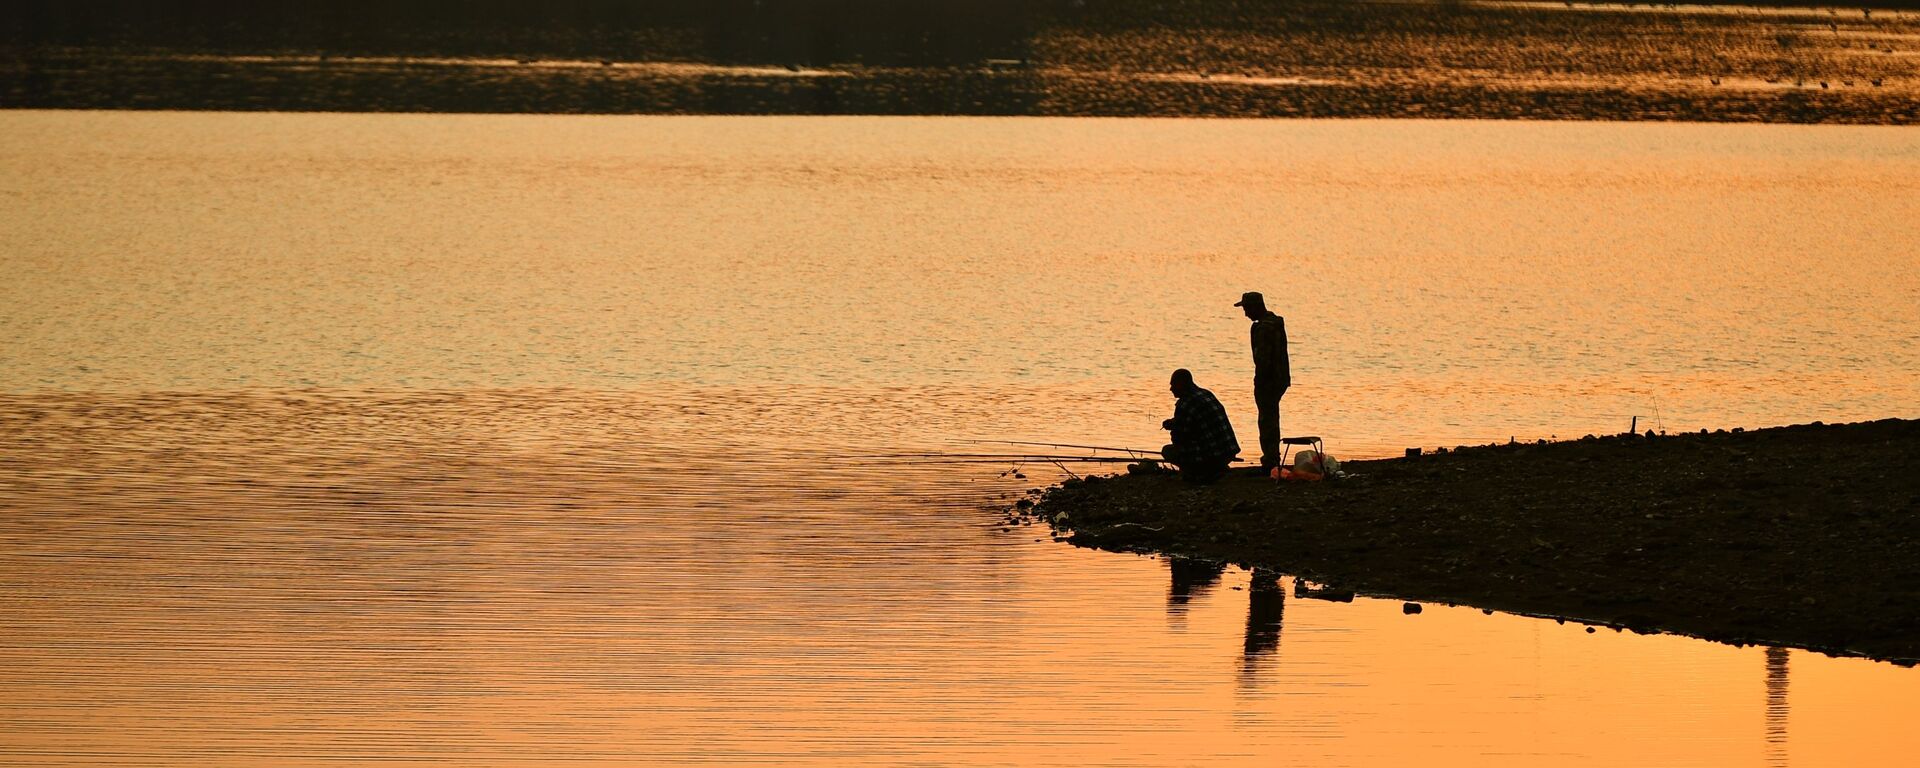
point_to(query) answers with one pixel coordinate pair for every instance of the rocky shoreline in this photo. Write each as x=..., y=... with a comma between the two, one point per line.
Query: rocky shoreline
x=1807, y=536
x=1201, y=58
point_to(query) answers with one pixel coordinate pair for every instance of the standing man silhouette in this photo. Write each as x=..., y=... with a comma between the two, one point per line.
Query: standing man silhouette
x=1271, y=372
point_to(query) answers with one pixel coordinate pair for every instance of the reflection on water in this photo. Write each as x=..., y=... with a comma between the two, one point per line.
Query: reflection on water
x=525, y=440
x=1266, y=607
x=527, y=576
x=1188, y=579
x=1777, y=706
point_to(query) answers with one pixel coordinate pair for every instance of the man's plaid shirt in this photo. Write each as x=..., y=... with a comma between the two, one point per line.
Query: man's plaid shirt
x=1200, y=424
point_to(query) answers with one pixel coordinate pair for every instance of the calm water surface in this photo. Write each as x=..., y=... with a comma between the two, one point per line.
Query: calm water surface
x=520, y=440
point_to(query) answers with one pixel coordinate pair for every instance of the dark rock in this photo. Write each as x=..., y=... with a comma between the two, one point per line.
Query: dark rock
x=1717, y=536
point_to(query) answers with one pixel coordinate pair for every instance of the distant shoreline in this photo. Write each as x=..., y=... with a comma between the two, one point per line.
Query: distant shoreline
x=1806, y=536
x=1526, y=61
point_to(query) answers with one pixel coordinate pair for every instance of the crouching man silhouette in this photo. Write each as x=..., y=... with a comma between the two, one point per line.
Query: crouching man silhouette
x=1203, y=443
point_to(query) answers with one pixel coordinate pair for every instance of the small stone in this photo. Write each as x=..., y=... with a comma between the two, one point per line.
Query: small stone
x=1589, y=630
x=1410, y=608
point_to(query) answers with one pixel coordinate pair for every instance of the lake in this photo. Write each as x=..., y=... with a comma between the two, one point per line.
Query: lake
x=538, y=439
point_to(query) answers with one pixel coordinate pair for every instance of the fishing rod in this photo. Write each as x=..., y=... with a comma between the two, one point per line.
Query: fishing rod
x=1023, y=459
x=922, y=454
x=1136, y=451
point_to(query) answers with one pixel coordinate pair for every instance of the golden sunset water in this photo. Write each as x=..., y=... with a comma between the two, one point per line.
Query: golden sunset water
x=536, y=440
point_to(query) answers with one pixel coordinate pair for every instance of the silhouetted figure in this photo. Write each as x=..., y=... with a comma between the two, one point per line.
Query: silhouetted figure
x=1271, y=372
x=1203, y=443
x=1266, y=606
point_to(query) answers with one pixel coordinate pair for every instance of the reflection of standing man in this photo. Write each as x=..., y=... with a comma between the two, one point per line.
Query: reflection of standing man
x=1271, y=373
x=1266, y=606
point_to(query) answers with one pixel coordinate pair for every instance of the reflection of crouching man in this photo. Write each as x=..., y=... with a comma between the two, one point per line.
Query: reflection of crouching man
x=1203, y=442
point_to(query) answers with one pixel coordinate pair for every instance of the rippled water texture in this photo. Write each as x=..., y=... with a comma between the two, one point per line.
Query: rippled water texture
x=524, y=440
